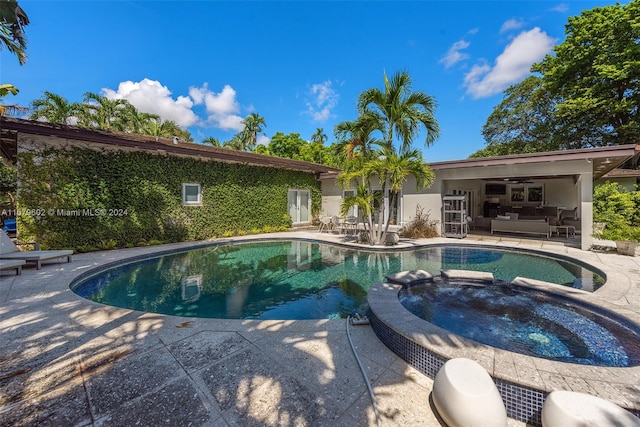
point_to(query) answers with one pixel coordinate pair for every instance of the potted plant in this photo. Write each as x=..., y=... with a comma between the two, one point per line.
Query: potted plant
x=619, y=210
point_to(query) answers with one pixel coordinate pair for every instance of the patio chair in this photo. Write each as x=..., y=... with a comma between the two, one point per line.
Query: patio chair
x=337, y=224
x=325, y=223
x=9, y=251
x=351, y=224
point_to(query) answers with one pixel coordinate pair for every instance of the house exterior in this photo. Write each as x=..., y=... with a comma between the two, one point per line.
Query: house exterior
x=90, y=189
x=550, y=185
x=539, y=184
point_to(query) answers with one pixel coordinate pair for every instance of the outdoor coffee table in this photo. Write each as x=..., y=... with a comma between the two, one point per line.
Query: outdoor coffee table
x=568, y=230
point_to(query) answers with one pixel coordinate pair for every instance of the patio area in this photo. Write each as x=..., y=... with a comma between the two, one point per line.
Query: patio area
x=68, y=361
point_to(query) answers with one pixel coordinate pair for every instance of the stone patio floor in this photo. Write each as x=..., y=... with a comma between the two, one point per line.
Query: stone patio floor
x=66, y=361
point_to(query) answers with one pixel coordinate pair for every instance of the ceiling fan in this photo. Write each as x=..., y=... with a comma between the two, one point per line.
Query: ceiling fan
x=518, y=181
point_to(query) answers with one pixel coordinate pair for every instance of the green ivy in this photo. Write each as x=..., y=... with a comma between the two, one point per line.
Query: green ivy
x=67, y=186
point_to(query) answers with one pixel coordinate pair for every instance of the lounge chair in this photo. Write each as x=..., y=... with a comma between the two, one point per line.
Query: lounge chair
x=9, y=251
x=12, y=264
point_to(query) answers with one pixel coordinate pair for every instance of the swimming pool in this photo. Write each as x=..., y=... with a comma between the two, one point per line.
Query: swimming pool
x=297, y=279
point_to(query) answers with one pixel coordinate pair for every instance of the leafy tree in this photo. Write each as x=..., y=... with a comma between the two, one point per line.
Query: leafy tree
x=523, y=122
x=314, y=152
x=262, y=149
x=586, y=95
x=288, y=146
x=13, y=19
x=54, y=109
x=595, y=75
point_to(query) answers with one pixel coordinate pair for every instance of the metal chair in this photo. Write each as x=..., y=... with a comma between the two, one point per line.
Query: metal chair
x=325, y=223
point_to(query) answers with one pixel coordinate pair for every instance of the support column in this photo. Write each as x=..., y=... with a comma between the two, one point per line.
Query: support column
x=585, y=200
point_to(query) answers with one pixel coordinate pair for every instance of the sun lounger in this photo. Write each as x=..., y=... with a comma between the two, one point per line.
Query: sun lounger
x=12, y=264
x=9, y=251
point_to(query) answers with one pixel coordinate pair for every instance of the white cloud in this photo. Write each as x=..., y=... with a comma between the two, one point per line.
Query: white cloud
x=325, y=98
x=263, y=140
x=512, y=24
x=150, y=96
x=454, y=55
x=510, y=66
x=222, y=107
x=562, y=8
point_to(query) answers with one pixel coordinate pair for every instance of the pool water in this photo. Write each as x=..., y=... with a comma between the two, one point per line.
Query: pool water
x=526, y=322
x=296, y=279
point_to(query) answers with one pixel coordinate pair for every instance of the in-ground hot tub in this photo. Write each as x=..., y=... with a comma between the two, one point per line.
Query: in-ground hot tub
x=523, y=380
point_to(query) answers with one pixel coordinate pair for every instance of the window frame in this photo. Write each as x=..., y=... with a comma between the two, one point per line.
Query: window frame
x=185, y=202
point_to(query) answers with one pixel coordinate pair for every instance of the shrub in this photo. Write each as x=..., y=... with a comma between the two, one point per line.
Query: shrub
x=421, y=226
x=619, y=210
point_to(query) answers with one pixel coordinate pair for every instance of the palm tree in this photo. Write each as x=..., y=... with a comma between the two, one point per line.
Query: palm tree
x=12, y=22
x=215, y=142
x=319, y=137
x=54, y=109
x=394, y=111
x=8, y=110
x=356, y=137
x=400, y=110
x=253, y=125
x=129, y=119
x=101, y=112
x=162, y=128
x=235, y=143
x=396, y=168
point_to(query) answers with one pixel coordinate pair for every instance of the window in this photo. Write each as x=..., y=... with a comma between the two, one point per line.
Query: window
x=191, y=195
x=535, y=194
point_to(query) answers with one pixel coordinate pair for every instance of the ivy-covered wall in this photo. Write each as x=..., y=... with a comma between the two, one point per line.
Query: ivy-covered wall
x=88, y=199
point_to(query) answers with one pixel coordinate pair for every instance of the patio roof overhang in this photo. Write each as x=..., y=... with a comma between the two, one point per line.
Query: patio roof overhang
x=602, y=160
x=10, y=128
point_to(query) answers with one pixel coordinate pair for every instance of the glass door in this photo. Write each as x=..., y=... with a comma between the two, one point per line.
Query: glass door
x=299, y=205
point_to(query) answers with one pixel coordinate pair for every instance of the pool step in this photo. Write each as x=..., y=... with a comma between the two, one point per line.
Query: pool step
x=449, y=276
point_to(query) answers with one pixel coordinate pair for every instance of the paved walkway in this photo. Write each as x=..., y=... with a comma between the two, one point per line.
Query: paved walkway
x=67, y=361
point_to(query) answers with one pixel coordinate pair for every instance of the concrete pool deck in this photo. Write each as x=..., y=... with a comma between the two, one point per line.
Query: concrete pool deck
x=66, y=361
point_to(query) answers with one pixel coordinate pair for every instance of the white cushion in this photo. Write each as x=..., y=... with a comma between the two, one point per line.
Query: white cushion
x=573, y=409
x=465, y=395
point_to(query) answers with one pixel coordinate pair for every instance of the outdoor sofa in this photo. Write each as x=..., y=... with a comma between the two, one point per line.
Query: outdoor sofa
x=9, y=251
x=525, y=226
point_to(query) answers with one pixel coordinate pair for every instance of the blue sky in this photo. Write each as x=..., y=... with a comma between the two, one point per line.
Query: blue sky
x=299, y=64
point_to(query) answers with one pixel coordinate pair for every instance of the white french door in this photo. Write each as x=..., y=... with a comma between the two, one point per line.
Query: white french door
x=299, y=205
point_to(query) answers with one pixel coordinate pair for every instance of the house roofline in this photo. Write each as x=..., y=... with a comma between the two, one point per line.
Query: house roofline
x=627, y=150
x=151, y=143
x=602, y=159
